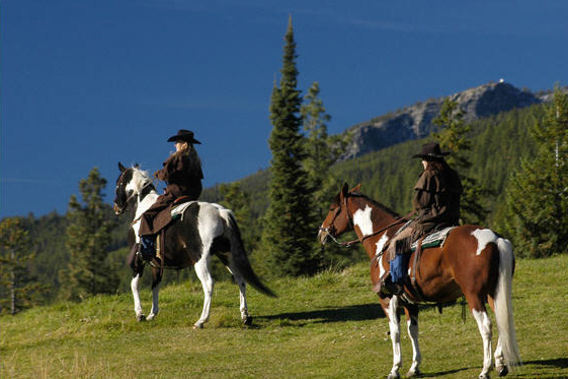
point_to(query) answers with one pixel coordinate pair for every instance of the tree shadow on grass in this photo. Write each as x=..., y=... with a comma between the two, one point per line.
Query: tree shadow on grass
x=361, y=312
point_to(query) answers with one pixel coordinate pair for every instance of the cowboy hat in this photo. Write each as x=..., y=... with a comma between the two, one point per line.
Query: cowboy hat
x=185, y=136
x=431, y=151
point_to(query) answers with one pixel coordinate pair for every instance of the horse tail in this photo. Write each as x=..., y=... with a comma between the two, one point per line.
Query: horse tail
x=240, y=258
x=504, y=303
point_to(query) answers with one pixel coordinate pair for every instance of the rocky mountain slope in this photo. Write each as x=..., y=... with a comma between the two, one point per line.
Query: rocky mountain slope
x=415, y=121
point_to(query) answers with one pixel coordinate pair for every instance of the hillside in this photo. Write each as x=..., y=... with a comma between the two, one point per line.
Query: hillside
x=326, y=326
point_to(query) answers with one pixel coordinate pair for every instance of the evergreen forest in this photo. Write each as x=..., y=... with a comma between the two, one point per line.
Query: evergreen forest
x=499, y=145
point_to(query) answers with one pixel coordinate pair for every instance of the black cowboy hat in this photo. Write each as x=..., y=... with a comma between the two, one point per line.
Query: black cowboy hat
x=185, y=136
x=431, y=151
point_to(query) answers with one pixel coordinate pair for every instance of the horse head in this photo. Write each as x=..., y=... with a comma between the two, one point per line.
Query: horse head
x=129, y=185
x=337, y=220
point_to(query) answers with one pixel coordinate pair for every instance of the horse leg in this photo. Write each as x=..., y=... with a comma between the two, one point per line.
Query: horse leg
x=412, y=326
x=137, y=271
x=480, y=315
x=247, y=320
x=156, y=279
x=395, y=337
x=202, y=271
x=137, y=305
x=500, y=366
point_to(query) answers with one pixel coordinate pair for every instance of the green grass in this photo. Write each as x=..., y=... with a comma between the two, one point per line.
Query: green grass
x=326, y=326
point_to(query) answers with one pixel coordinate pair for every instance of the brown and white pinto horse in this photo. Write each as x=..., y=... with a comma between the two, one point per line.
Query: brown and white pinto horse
x=473, y=261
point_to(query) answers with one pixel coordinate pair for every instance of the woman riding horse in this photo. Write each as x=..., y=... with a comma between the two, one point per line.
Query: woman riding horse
x=436, y=202
x=182, y=174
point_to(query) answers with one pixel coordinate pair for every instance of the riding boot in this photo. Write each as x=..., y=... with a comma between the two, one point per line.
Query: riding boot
x=388, y=287
x=147, y=248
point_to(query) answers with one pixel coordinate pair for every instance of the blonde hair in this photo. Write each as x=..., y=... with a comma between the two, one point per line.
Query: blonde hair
x=193, y=157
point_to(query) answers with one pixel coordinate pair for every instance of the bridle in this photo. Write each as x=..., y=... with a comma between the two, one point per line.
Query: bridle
x=136, y=194
x=331, y=229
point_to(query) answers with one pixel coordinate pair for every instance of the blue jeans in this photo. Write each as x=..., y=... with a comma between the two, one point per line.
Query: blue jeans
x=147, y=247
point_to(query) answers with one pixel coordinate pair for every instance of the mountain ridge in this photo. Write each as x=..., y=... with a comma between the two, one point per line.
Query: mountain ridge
x=415, y=121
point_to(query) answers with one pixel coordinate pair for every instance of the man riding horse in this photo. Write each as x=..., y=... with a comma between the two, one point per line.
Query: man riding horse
x=182, y=174
x=436, y=203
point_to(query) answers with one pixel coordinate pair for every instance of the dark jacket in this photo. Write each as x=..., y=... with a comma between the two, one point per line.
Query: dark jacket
x=183, y=179
x=437, y=199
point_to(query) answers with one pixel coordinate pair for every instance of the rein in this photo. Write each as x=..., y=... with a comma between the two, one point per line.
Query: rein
x=348, y=244
x=356, y=241
x=136, y=194
x=147, y=185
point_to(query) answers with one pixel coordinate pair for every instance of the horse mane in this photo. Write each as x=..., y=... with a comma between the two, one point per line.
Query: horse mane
x=375, y=203
x=142, y=177
x=144, y=173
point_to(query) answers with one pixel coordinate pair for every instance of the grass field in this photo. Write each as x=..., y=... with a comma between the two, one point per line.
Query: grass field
x=326, y=326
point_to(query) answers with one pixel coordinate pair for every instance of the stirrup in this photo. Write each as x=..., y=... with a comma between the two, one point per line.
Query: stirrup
x=145, y=256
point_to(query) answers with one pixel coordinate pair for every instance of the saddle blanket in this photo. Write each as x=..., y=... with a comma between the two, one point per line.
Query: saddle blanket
x=433, y=240
x=398, y=266
x=178, y=210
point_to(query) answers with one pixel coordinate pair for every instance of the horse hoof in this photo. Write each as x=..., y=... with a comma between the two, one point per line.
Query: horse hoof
x=484, y=376
x=503, y=370
x=414, y=374
x=198, y=326
x=140, y=318
x=393, y=376
x=247, y=321
x=150, y=317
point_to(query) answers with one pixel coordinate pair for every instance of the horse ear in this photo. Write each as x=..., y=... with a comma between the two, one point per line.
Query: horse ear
x=357, y=188
x=344, y=191
x=136, y=165
x=121, y=167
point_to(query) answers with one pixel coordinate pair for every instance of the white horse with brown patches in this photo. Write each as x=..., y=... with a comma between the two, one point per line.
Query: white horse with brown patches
x=204, y=229
x=473, y=262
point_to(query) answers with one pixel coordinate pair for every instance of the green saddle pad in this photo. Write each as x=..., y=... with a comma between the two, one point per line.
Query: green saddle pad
x=435, y=239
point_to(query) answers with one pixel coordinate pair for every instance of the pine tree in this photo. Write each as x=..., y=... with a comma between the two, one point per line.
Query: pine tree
x=238, y=201
x=537, y=195
x=322, y=152
x=454, y=136
x=88, y=238
x=288, y=235
x=20, y=289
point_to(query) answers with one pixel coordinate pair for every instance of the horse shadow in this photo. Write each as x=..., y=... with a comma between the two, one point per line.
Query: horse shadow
x=558, y=362
x=360, y=312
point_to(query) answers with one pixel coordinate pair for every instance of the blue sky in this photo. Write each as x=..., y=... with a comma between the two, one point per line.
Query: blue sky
x=87, y=83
